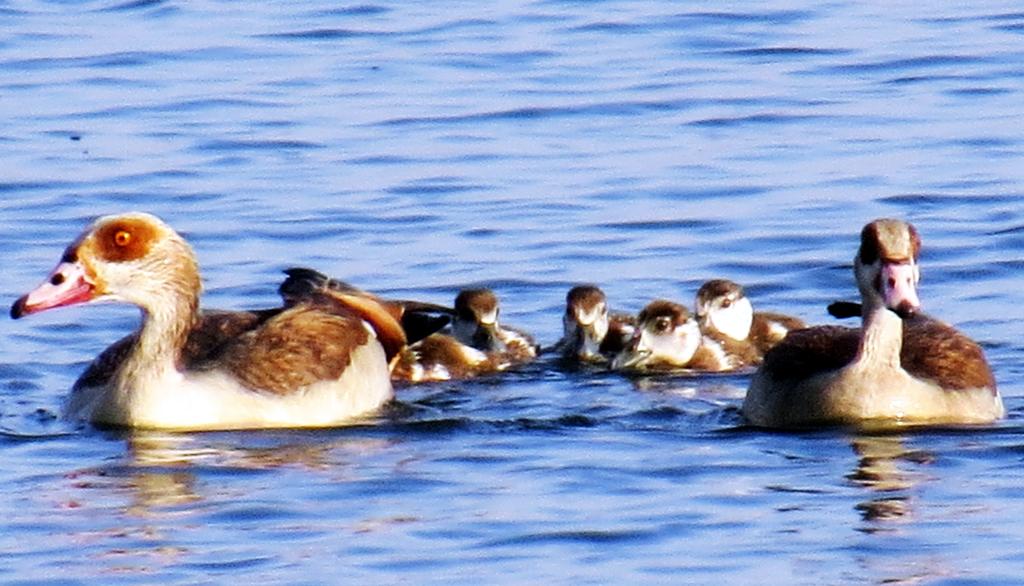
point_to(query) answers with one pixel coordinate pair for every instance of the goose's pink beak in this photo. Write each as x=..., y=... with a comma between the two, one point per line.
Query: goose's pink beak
x=68, y=284
x=899, y=288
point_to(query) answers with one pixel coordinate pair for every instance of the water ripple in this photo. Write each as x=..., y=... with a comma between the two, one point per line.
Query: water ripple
x=416, y=148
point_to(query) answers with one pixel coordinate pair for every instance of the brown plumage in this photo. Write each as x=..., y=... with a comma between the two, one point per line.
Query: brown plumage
x=440, y=357
x=418, y=319
x=900, y=366
x=590, y=332
x=808, y=352
x=323, y=343
x=770, y=328
x=937, y=351
x=726, y=314
x=741, y=352
x=206, y=340
x=319, y=361
x=933, y=349
x=476, y=344
x=477, y=324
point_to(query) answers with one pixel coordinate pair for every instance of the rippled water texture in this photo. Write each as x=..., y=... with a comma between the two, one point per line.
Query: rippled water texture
x=416, y=148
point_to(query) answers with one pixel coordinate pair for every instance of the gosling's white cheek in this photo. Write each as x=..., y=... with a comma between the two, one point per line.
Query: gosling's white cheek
x=601, y=328
x=490, y=317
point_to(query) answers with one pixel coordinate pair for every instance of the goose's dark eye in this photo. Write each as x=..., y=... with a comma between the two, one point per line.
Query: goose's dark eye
x=662, y=324
x=122, y=238
x=726, y=303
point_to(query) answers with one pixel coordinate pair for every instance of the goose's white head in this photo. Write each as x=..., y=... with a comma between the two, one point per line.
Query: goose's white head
x=886, y=266
x=133, y=257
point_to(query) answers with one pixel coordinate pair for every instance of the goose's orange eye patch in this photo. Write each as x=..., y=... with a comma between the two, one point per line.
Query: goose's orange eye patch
x=125, y=240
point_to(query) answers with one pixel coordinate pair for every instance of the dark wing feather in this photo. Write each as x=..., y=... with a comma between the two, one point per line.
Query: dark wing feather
x=810, y=351
x=302, y=282
x=419, y=325
x=215, y=329
x=418, y=319
x=936, y=351
x=844, y=309
x=294, y=349
x=102, y=368
x=212, y=331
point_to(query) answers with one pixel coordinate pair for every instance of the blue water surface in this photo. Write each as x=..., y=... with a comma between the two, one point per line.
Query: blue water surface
x=416, y=148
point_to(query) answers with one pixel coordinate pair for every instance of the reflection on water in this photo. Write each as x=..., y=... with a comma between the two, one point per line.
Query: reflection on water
x=140, y=513
x=881, y=468
x=888, y=468
x=156, y=448
x=161, y=467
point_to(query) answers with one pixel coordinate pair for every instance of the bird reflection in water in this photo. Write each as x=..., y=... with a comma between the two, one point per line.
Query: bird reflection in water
x=132, y=509
x=163, y=465
x=880, y=468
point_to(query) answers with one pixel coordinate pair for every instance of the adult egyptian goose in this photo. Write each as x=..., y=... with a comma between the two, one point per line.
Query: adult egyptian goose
x=319, y=362
x=477, y=344
x=725, y=314
x=667, y=337
x=592, y=334
x=834, y=375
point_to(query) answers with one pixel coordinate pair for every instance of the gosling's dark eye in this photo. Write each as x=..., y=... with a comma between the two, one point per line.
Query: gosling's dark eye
x=57, y=279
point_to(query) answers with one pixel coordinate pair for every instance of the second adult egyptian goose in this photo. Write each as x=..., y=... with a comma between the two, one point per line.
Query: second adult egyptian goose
x=315, y=363
x=833, y=375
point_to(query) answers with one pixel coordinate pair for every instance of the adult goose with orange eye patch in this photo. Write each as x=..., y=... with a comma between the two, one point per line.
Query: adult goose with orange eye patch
x=317, y=362
x=833, y=375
